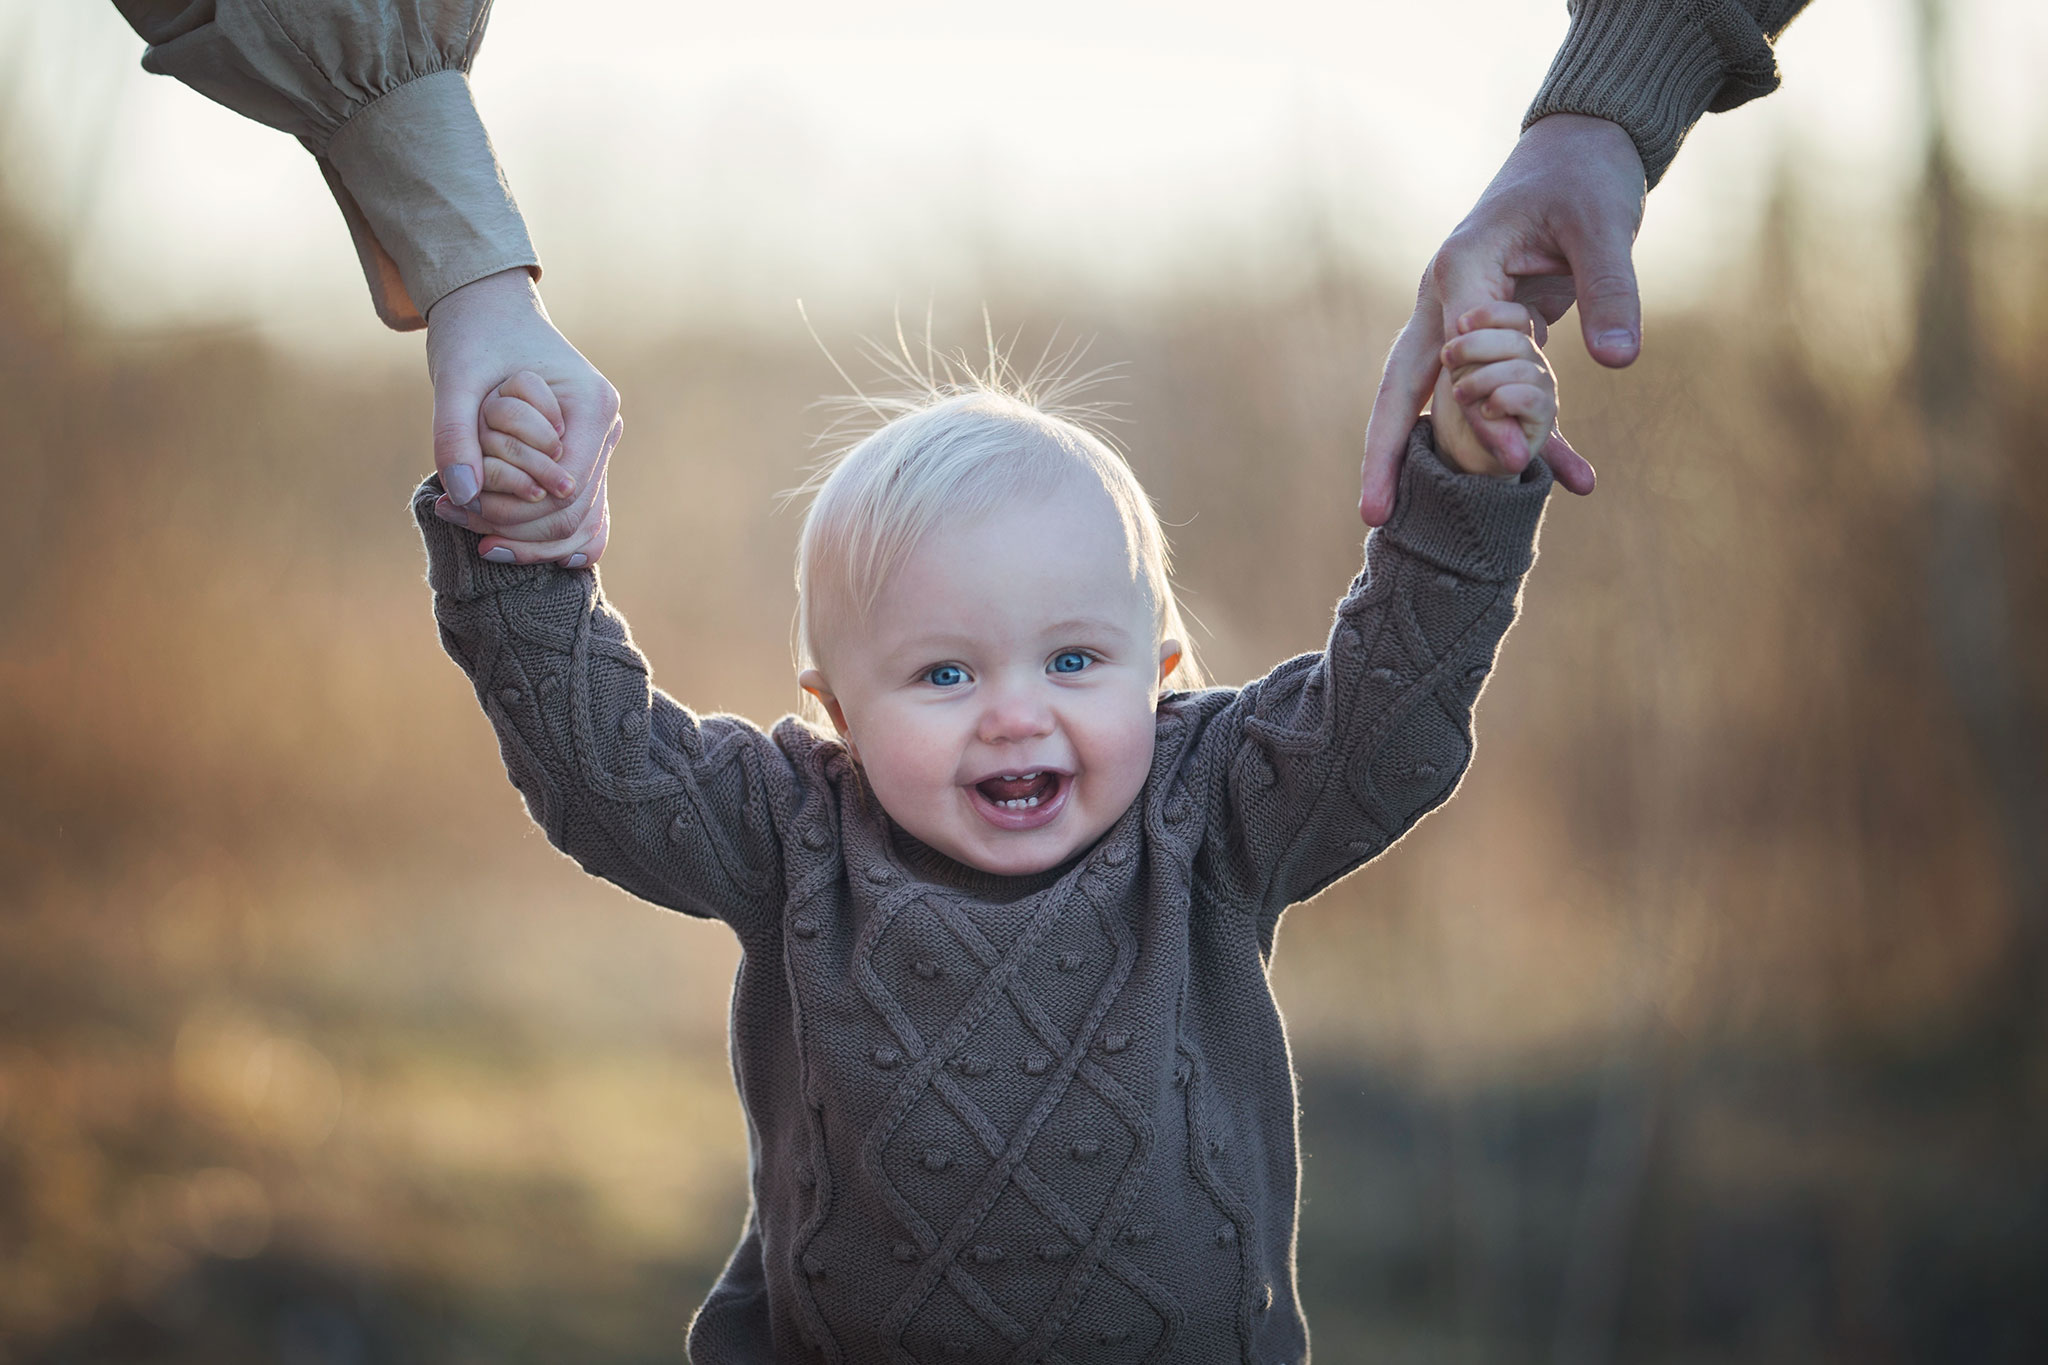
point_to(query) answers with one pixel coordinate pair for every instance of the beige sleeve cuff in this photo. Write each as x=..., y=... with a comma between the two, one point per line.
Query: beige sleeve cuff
x=420, y=189
x=1655, y=66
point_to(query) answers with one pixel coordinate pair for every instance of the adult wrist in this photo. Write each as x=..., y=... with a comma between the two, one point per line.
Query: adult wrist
x=1654, y=68
x=1586, y=137
x=509, y=290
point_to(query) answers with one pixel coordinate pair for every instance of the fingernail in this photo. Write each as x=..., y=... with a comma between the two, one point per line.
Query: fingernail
x=565, y=486
x=499, y=554
x=446, y=513
x=576, y=561
x=1619, y=339
x=537, y=494
x=461, y=485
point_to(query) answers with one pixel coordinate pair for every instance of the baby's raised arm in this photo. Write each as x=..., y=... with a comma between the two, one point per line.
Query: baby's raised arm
x=520, y=430
x=1332, y=757
x=683, y=810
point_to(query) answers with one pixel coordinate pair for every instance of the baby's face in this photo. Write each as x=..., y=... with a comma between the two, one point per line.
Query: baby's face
x=1000, y=698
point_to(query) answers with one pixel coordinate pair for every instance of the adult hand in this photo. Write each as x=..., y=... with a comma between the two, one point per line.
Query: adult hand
x=1556, y=225
x=479, y=335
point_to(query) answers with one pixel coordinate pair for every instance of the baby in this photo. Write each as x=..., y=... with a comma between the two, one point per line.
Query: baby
x=1016, y=1087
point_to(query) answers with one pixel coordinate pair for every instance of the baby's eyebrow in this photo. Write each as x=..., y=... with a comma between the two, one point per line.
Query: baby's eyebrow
x=1085, y=625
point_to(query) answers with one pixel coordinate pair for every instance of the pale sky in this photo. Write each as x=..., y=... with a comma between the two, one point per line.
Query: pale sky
x=679, y=160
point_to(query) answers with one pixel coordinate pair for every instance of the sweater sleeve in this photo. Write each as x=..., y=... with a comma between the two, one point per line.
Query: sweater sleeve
x=678, y=809
x=378, y=92
x=1655, y=66
x=1331, y=757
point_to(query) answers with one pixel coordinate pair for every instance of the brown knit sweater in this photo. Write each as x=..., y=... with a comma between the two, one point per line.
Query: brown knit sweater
x=1044, y=1119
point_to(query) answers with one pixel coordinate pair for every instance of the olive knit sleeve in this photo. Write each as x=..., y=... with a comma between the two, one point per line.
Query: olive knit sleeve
x=1332, y=756
x=1655, y=66
x=682, y=810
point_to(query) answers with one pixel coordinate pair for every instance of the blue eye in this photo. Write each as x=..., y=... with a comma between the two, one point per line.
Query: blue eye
x=1070, y=661
x=946, y=675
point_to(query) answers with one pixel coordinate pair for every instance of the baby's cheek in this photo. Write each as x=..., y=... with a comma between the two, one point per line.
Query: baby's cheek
x=905, y=765
x=1131, y=754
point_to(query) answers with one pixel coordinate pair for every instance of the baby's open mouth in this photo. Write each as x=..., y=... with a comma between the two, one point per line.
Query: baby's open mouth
x=1019, y=791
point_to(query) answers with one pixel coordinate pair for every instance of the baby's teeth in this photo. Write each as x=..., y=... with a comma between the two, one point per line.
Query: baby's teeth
x=1020, y=803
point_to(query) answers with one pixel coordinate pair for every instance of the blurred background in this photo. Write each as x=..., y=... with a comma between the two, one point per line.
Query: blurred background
x=1705, y=1025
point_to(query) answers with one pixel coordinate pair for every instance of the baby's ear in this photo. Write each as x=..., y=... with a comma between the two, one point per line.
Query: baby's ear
x=1169, y=658
x=813, y=682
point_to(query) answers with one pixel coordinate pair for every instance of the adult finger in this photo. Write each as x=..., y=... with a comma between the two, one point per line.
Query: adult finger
x=457, y=456
x=1406, y=382
x=590, y=424
x=547, y=528
x=1604, y=278
x=583, y=410
x=1471, y=275
x=1570, y=467
x=1469, y=272
x=580, y=547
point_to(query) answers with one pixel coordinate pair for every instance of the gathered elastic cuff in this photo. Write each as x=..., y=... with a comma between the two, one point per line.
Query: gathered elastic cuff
x=1472, y=525
x=425, y=201
x=1654, y=67
x=457, y=572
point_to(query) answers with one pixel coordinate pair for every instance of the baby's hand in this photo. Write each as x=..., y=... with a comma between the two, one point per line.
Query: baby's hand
x=519, y=427
x=1495, y=392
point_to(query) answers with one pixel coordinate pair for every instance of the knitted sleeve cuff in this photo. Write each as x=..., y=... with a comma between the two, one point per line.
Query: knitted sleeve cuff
x=1655, y=66
x=458, y=573
x=1477, y=527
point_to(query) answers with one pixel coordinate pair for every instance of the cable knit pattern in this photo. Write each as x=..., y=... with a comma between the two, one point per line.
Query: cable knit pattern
x=1655, y=66
x=1044, y=1119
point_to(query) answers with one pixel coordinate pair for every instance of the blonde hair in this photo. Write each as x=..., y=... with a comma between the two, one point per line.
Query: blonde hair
x=961, y=449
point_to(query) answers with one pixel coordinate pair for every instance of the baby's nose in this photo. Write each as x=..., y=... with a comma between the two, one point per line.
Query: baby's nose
x=1014, y=715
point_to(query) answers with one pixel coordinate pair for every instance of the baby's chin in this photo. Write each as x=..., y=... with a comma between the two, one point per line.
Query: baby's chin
x=1021, y=866
x=1015, y=855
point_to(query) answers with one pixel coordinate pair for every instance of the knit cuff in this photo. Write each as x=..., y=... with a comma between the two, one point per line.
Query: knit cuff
x=456, y=571
x=1469, y=524
x=1655, y=66
x=420, y=189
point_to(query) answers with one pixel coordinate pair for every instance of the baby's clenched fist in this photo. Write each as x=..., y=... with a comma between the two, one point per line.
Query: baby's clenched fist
x=1496, y=399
